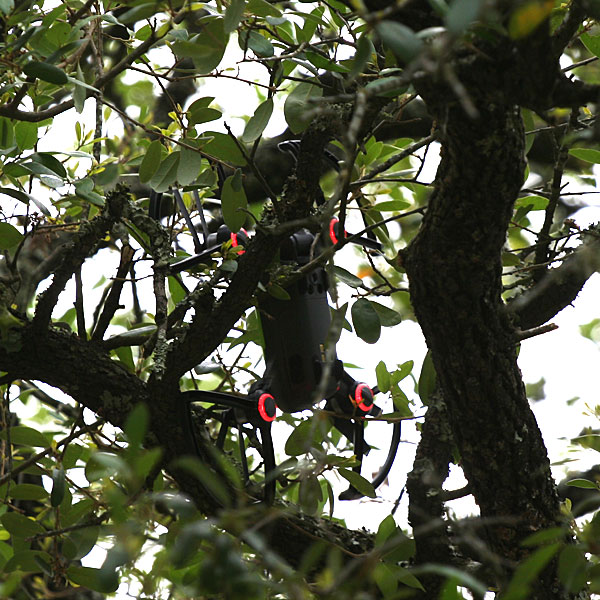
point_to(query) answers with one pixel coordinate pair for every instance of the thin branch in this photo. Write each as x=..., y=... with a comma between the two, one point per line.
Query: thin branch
x=544, y=239
x=79, y=309
x=35, y=117
x=112, y=300
x=390, y=162
x=257, y=173
x=529, y=333
x=36, y=457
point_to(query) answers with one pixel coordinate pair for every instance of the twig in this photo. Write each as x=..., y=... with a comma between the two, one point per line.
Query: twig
x=112, y=300
x=79, y=309
x=58, y=532
x=384, y=166
x=529, y=333
x=263, y=182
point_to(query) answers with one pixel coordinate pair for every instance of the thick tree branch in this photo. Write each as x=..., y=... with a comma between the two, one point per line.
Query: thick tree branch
x=559, y=287
x=568, y=28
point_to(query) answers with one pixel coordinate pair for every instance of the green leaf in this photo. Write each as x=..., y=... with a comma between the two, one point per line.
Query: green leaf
x=591, y=42
x=19, y=525
x=136, y=424
x=529, y=125
x=407, y=578
x=234, y=202
x=80, y=542
x=233, y=15
x=583, y=483
x=26, y=135
x=256, y=42
x=50, y=162
x=403, y=371
x=203, y=115
x=528, y=570
x=386, y=528
x=138, y=13
x=572, y=568
x=79, y=92
x=326, y=64
x=387, y=316
x=262, y=8
x=364, y=52
x=125, y=356
x=166, y=174
x=461, y=14
x=258, y=121
x=589, y=440
x=28, y=491
x=275, y=290
x=366, y=321
x=29, y=561
x=532, y=202
x=527, y=16
x=58, y=487
x=206, y=476
x=84, y=188
x=7, y=6
x=45, y=72
x=386, y=580
x=400, y=39
x=586, y=154
x=383, y=377
x=93, y=578
x=207, y=48
x=189, y=167
x=310, y=494
x=304, y=436
x=16, y=194
x=387, y=87
x=103, y=464
x=10, y=236
x=346, y=277
x=427, y=379
x=392, y=206
x=358, y=482
x=151, y=161
x=77, y=511
x=177, y=295
x=298, y=107
x=26, y=436
x=553, y=534
x=7, y=134
x=222, y=146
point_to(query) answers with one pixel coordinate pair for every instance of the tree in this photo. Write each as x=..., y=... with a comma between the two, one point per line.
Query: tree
x=506, y=88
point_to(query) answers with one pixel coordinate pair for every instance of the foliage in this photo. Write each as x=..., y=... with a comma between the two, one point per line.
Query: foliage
x=98, y=95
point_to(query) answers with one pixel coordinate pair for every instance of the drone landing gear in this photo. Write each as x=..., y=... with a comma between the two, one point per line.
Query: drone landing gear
x=353, y=401
x=252, y=417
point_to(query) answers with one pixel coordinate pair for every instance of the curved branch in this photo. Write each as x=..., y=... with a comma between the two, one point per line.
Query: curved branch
x=568, y=28
x=559, y=287
x=13, y=112
x=82, y=245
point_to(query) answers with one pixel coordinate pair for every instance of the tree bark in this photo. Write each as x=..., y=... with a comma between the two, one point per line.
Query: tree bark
x=454, y=268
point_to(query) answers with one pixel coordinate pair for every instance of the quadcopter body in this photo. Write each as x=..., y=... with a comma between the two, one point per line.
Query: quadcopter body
x=300, y=372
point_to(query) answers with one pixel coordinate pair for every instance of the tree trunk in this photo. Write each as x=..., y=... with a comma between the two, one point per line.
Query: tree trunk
x=454, y=268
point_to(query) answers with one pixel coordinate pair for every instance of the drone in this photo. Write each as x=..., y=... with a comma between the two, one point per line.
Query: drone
x=299, y=371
